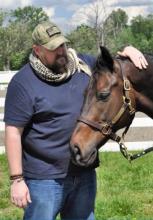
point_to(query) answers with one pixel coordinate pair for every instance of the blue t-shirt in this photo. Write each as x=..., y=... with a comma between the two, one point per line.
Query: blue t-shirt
x=48, y=113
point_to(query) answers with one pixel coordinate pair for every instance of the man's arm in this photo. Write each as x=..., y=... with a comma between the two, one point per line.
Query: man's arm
x=19, y=191
x=135, y=55
x=14, y=149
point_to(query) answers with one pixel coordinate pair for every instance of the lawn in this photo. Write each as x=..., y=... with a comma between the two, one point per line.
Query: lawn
x=124, y=190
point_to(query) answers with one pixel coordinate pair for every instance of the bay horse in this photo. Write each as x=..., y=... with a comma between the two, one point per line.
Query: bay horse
x=117, y=89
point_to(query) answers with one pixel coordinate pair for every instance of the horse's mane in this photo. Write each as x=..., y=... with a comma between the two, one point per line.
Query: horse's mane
x=106, y=62
x=148, y=55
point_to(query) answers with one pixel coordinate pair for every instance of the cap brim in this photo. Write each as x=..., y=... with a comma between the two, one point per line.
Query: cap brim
x=55, y=43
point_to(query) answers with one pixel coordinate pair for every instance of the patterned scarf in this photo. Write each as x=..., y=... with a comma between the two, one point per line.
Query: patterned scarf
x=74, y=64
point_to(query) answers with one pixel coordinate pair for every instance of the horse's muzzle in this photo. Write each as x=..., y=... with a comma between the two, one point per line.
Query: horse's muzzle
x=80, y=159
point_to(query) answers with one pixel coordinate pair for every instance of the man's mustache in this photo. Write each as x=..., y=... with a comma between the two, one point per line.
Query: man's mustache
x=62, y=56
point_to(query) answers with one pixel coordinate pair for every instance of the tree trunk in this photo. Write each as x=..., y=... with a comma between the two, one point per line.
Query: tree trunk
x=6, y=65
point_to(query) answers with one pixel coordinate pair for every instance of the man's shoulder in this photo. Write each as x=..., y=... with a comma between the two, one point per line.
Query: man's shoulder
x=88, y=59
x=23, y=74
x=86, y=56
x=23, y=77
x=24, y=70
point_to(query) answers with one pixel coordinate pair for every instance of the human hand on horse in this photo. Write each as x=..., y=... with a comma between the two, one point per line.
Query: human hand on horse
x=135, y=56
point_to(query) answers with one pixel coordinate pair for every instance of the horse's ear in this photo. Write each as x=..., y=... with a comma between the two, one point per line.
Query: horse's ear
x=107, y=59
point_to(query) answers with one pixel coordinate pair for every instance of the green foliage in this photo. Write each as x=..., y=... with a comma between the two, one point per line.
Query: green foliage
x=15, y=35
x=115, y=22
x=138, y=34
x=142, y=25
x=114, y=33
x=15, y=39
x=117, y=34
x=3, y=15
x=30, y=15
x=142, y=30
x=124, y=37
x=83, y=39
x=18, y=59
x=150, y=45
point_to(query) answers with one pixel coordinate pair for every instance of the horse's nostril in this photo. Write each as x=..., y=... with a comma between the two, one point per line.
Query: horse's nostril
x=77, y=152
x=76, y=149
x=78, y=157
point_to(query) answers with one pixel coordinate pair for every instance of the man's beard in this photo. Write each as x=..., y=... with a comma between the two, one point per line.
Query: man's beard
x=60, y=65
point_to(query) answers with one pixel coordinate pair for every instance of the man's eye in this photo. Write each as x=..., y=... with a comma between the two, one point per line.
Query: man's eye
x=103, y=96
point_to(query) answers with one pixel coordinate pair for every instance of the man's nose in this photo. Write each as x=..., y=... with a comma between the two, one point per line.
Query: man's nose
x=61, y=50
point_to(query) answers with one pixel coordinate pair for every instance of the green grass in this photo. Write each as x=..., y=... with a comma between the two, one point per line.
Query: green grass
x=7, y=210
x=124, y=190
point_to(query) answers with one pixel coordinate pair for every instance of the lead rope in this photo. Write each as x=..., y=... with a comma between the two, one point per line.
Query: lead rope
x=130, y=156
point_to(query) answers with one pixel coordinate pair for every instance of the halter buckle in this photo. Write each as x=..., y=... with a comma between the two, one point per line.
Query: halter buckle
x=127, y=85
x=126, y=100
x=106, y=130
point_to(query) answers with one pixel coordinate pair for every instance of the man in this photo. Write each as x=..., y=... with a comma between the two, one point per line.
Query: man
x=42, y=104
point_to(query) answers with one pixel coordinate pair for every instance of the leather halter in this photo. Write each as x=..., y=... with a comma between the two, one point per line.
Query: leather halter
x=106, y=128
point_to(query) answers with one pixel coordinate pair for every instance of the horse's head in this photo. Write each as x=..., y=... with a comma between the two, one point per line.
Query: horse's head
x=103, y=102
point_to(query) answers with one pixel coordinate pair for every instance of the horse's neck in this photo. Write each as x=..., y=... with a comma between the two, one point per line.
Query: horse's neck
x=142, y=82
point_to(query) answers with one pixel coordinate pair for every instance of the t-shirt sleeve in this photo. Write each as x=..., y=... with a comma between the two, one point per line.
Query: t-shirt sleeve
x=88, y=59
x=18, y=105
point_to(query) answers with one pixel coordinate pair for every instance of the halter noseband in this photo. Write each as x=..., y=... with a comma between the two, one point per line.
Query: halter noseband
x=106, y=128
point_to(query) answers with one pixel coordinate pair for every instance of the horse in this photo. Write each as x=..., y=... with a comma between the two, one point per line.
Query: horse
x=117, y=89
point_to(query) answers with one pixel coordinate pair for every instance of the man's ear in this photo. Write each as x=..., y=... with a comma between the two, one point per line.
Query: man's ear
x=36, y=49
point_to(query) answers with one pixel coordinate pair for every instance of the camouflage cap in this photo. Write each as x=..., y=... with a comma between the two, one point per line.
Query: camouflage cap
x=48, y=35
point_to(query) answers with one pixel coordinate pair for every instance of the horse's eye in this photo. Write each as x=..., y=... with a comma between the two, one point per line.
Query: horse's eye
x=103, y=96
